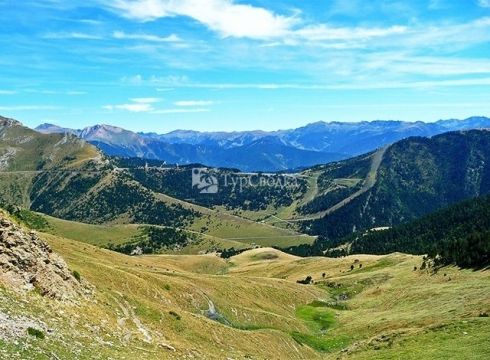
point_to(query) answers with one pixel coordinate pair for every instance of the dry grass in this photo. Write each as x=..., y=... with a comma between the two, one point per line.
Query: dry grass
x=386, y=310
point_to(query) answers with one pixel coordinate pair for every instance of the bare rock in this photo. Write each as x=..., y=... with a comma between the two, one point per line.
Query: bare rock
x=28, y=263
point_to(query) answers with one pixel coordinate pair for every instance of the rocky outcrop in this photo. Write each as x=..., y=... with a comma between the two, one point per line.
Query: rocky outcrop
x=6, y=122
x=28, y=263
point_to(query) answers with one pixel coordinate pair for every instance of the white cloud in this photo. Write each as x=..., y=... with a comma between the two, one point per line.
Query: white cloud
x=132, y=80
x=222, y=16
x=484, y=3
x=130, y=107
x=121, y=35
x=28, y=107
x=400, y=63
x=137, y=105
x=71, y=35
x=180, y=111
x=7, y=92
x=75, y=93
x=155, y=80
x=191, y=103
x=147, y=100
x=357, y=85
x=230, y=19
x=325, y=33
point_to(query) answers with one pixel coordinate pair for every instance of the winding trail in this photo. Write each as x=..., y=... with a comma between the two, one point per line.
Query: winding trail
x=129, y=314
x=369, y=182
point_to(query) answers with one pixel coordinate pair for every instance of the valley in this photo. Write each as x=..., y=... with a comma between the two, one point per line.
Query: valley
x=174, y=273
x=160, y=306
x=244, y=180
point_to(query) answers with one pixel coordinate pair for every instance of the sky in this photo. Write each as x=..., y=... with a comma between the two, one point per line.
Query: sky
x=161, y=65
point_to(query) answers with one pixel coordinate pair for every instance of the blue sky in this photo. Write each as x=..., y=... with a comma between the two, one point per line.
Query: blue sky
x=160, y=65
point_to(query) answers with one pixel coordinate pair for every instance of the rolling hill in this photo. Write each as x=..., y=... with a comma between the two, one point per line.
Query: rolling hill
x=177, y=307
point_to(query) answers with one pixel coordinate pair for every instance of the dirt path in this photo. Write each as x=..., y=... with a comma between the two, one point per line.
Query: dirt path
x=369, y=182
x=129, y=314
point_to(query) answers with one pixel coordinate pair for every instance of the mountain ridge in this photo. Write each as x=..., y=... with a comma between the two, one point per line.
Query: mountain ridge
x=306, y=146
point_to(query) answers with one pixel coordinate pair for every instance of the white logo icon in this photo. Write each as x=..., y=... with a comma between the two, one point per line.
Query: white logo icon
x=204, y=181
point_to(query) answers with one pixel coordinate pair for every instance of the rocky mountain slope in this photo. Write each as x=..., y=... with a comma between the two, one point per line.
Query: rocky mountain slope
x=28, y=263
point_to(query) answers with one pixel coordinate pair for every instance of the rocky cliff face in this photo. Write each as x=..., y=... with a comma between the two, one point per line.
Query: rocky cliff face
x=28, y=263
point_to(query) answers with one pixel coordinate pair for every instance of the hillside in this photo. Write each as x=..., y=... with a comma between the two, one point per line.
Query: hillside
x=459, y=234
x=99, y=190
x=62, y=175
x=27, y=263
x=204, y=307
x=416, y=176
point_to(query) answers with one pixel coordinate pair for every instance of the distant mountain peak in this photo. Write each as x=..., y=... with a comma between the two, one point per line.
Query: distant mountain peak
x=48, y=128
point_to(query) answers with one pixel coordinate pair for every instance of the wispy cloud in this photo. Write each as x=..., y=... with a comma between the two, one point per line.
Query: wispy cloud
x=75, y=93
x=324, y=32
x=401, y=63
x=137, y=105
x=121, y=35
x=147, y=105
x=146, y=100
x=28, y=107
x=8, y=92
x=134, y=107
x=357, y=85
x=71, y=35
x=191, y=103
x=180, y=111
x=230, y=19
x=484, y=3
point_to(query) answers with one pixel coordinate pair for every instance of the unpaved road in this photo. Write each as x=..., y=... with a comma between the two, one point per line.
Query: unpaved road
x=369, y=182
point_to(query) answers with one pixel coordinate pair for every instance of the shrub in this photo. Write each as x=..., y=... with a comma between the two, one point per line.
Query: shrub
x=35, y=332
x=175, y=315
x=77, y=275
x=306, y=281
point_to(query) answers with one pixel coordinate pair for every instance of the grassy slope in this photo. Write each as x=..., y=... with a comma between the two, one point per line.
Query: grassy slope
x=102, y=235
x=391, y=309
x=219, y=223
x=99, y=235
x=34, y=150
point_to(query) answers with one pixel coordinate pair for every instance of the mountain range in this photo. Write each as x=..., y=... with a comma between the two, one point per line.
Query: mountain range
x=66, y=177
x=313, y=144
x=180, y=299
